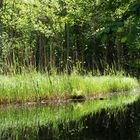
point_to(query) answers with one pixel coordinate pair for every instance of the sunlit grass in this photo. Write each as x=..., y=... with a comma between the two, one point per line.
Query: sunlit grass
x=37, y=87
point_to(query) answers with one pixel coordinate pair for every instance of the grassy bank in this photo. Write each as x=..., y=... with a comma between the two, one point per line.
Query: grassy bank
x=41, y=87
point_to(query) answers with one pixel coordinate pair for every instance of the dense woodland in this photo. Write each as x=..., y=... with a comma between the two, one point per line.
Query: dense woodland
x=63, y=34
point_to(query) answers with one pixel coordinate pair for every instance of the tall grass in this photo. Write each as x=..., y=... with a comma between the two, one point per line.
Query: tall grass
x=37, y=87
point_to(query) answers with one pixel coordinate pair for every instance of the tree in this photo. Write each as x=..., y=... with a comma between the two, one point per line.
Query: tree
x=61, y=33
x=1, y=5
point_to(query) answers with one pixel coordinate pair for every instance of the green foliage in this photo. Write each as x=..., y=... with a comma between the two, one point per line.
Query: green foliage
x=43, y=34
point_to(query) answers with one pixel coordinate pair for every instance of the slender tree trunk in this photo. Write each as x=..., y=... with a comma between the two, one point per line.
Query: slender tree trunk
x=67, y=39
x=67, y=32
x=40, y=53
x=1, y=4
x=37, y=52
x=44, y=54
x=78, y=43
x=118, y=47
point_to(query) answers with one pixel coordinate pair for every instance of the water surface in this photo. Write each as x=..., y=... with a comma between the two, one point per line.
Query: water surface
x=113, y=118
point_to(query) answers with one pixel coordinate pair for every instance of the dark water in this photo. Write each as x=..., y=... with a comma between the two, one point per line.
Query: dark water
x=116, y=118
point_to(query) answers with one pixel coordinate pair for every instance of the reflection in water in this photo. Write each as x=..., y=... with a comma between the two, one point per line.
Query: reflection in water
x=116, y=118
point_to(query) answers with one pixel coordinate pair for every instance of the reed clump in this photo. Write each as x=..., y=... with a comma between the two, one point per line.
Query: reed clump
x=37, y=87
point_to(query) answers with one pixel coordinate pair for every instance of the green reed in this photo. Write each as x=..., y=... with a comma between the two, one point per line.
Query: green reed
x=37, y=87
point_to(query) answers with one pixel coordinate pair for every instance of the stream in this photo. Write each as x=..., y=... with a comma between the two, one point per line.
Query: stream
x=115, y=118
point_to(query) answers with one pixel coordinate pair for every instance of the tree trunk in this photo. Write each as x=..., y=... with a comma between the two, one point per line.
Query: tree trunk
x=67, y=40
x=37, y=52
x=1, y=4
x=119, y=53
